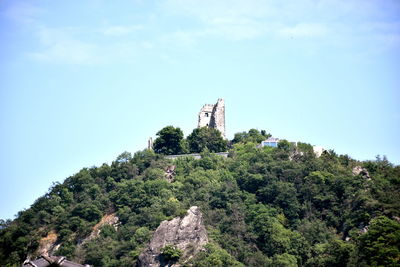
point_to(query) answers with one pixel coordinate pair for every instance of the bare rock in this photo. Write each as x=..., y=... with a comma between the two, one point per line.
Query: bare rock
x=170, y=173
x=187, y=234
x=358, y=170
x=108, y=219
x=48, y=245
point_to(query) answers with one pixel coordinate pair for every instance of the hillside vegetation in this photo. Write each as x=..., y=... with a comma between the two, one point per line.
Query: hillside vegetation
x=261, y=206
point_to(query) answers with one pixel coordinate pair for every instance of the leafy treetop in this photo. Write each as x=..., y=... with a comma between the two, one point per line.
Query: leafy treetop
x=169, y=141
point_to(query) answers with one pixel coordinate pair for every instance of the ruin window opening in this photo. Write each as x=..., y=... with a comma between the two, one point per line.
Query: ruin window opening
x=206, y=114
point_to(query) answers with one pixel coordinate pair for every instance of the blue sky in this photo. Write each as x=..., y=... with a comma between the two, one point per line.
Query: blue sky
x=83, y=81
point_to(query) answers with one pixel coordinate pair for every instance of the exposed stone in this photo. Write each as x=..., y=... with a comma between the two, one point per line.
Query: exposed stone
x=213, y=116
x=187, y=234
x=318, y=150
x=358, y=170
x=109, y=219
x=47, y=245
x=170, y=173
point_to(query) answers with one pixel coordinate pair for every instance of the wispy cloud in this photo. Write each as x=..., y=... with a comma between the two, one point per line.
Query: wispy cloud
x=120, y=30
x=186, y=23
x=84, y=45
x=252, y=19
x=304, y=30
x=22, y=12
x=386, y=35
x=237, y=29
x=60, y=45
x=72, y=52
x=65, y=45
x=235, y=20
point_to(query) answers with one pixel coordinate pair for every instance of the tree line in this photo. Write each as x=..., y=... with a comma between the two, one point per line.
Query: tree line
x=170, y=140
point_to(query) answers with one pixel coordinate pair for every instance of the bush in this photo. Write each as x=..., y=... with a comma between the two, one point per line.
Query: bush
x=171, y=253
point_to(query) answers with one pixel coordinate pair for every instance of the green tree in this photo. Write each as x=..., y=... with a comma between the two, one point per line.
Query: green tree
x=333, y=253
x=284, y=260
x=210, y=138
x=380, y=245
x=169, y=141
x=171, y=253
x=253, y=135
x=124, y=157
x=283, y=195
x=212, y=255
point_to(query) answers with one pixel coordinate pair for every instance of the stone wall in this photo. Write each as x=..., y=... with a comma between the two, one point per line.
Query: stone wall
x=196, y=155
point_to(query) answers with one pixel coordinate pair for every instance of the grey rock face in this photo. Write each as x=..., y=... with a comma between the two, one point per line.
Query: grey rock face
x=187, y=234
x=358, y=170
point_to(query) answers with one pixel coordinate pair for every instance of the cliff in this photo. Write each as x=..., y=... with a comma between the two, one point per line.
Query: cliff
x=186, y=234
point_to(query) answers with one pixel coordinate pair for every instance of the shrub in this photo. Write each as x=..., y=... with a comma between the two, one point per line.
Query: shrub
x=171, y=253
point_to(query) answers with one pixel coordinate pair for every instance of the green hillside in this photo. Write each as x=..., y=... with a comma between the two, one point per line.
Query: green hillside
x=262, y=207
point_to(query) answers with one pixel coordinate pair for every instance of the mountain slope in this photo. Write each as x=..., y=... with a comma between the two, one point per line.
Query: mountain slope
x=261, y=207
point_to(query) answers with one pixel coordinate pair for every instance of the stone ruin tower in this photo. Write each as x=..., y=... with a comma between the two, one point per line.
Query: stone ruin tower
x=213, y=116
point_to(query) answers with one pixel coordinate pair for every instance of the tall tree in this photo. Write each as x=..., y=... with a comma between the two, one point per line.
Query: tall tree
x=169, y=141
x=210, y=138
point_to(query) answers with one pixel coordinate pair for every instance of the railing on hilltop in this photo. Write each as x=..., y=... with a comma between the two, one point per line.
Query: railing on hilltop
x=196, y=155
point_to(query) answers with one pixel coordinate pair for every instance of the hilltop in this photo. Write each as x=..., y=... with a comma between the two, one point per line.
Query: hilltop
x=260, y=206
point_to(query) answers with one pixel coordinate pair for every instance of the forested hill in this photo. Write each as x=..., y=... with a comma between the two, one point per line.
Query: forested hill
x=261, y=207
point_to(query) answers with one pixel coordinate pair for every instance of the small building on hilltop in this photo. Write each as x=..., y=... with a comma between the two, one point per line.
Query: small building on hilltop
x=213, y=116
x=272, y=142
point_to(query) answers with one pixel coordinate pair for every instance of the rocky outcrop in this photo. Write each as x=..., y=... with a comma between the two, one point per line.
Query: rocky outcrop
x=358, y=170
x=48, y=244
x=170, y=173
x=109, y=219
x=187, y=234
x=318, y=150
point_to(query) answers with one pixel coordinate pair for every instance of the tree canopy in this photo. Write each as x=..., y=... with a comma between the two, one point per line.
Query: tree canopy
x=169, y=141
x=253, y=135
x=206, y=138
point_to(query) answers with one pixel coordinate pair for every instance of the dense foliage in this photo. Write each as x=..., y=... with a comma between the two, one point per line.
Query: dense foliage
x=170, y=141
x=171, y=253
x=262, y=207
x=206, y=138
x=253, y=135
